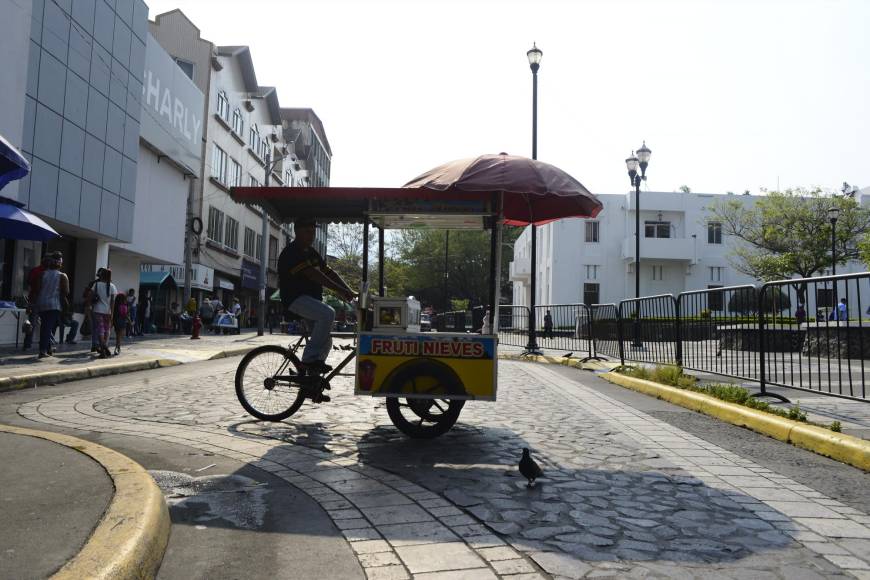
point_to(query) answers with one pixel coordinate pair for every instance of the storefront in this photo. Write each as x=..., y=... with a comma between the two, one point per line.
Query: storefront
x=163, y=291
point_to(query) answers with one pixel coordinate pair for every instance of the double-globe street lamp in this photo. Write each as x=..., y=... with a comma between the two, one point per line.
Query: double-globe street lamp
x=534, y=56
x=833, y=216
x=264, y=256
x=632, y=163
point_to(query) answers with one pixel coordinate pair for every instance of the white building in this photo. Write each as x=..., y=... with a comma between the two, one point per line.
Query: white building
x=243, y=124
x=592, y=260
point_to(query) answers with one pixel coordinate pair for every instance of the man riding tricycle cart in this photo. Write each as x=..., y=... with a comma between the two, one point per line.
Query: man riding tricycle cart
x=426, y=377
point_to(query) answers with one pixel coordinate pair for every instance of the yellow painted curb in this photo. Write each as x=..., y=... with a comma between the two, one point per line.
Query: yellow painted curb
x=88, y=372
x=556, y=360
x=131, y=538
x=844, y=448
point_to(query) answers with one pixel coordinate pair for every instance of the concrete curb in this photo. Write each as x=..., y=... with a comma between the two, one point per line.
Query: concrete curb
x=843, y=448
x=557, y=360
x=131, y=538
x=240, y=350
x=88, y=372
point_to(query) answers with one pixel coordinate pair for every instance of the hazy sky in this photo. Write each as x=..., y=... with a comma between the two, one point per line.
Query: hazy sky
x=729, y=95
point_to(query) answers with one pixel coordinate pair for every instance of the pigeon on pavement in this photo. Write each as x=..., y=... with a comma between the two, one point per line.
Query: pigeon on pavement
x=569, y=355
x=529, y=469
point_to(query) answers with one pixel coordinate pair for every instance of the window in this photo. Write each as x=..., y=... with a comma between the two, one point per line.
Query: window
x=590, y=293
x=657, y=229
x=716, y=273
x=592, y=231
x=232, y=237
x=186, y=67
x=223, y=106
x=715, y=300
x=252, y=181
x=235, y=173
x=273, y=252
x=216, y=224
x=238, y=123
x=219, y=164
x=254, y=138
x=250, y=241
x=264, y=148
x=259, y=247
x=658, y=272
x=824, y=297
x=591, y=272
x=714, y=233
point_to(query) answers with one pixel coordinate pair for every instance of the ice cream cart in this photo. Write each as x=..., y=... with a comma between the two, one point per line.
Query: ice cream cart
x=426, y=377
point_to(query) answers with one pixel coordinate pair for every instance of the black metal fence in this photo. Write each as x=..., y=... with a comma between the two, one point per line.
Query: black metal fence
x=811, y=334
x=513, y=325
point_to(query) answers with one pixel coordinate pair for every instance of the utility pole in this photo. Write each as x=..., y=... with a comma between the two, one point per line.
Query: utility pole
x=261, y=310
x=188, y=241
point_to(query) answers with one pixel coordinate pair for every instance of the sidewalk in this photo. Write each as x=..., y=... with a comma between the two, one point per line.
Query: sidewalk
x=23, y=369
x=52, y=501
x=854, y=416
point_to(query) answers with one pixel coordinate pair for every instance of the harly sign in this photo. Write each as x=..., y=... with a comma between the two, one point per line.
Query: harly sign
x=178, y=115
x=454, y=349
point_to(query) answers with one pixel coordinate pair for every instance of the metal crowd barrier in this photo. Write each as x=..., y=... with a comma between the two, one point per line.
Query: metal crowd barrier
x=811, y=334
x=649, y=329
x=513, y=325
x=814, y=334
x=718, y=328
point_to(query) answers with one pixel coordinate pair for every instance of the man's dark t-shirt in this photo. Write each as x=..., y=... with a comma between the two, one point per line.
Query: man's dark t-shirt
x=291, y=263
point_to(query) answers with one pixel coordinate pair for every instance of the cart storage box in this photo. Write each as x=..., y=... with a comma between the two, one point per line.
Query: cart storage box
x=395, y=314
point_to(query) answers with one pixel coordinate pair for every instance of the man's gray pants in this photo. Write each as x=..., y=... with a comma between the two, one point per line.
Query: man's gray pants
x=321, y=316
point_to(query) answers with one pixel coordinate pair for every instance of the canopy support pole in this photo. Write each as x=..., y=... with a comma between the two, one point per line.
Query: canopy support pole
x=365, y=272
x=381, y=261
x=495, y=264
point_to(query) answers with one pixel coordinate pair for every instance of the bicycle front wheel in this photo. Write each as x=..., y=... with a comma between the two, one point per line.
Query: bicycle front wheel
x=259, y=391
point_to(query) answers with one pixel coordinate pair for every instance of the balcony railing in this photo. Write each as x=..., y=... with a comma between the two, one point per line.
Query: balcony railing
x=660, y=249
x=520, y=269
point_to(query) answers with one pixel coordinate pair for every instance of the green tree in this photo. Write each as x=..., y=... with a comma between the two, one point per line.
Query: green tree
x=787, y=234
x=745, y=301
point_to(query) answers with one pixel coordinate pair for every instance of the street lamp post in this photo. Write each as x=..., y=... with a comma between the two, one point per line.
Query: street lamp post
x=534, y=56
x=833, y=216
x=632, y=163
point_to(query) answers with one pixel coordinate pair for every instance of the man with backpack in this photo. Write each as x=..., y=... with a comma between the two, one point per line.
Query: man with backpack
x=206, y=312
x=90, y=298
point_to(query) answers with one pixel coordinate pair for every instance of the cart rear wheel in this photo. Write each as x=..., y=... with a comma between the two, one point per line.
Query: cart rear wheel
x=259, y=392
x=423, y=418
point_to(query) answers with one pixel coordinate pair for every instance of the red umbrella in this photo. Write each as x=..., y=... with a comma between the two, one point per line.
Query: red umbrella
x=534, y=192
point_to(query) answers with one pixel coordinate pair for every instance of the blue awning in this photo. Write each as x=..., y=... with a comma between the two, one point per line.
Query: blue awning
x=13, y=165
x=155, y=278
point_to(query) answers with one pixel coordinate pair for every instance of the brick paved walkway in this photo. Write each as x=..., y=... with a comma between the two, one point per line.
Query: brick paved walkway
x=626, y=495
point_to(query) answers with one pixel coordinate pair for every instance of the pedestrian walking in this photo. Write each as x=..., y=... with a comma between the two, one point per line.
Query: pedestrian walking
x=120, y=320
x=206, y=312
x=548, y=325
x=800, y=315
x=104, y=303
x=144, y=313
x=68, y=323
x=90, y=297
x=33, y=279
x=131, y=313
x=51, y=299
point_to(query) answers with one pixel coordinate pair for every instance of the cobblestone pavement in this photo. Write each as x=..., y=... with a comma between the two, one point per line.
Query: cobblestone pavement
x=174, y=347
x=625, y=495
